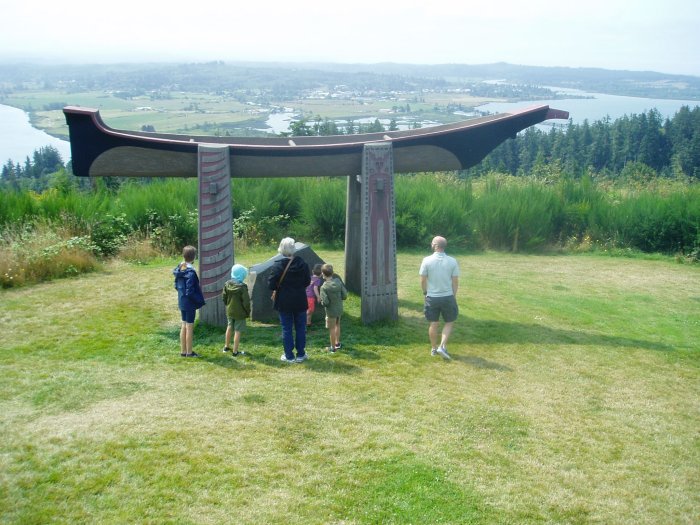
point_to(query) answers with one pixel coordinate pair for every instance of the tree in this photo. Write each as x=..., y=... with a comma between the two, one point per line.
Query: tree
x=600, y=153
x=375, y=127
x=300, y=128
x=9, y=176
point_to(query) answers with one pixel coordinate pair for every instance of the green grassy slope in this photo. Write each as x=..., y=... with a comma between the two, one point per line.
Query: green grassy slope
x=573, y=397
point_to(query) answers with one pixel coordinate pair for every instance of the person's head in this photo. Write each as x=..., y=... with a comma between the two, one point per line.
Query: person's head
x=317, y=269
x=438, y=244
x=327, y=271
x=189, y=253
x=239, y=273
x=287, y=247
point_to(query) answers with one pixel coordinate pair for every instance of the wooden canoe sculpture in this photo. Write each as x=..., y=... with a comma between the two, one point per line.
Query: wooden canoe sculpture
x=100, y=151
x=368, y=160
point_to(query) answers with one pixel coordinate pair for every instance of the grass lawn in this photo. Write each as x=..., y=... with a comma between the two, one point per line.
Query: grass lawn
x=573, y=396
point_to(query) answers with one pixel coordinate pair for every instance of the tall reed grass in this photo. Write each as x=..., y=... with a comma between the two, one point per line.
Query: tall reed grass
x=497, y=211
x=434, y=204
x=43, y=251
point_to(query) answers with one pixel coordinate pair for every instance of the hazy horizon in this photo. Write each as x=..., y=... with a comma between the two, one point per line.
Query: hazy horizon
x=42, y=61
x=607, y=34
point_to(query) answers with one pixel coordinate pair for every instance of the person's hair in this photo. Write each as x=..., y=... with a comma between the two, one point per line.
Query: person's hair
x=317, y=269
x=440, y=242
x=327, y=270
x=189, y=253
x=287, y=247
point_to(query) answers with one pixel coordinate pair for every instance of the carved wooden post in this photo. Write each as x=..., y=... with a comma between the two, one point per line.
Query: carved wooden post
x=215, y=229
x=353, y=235
x=377, y=236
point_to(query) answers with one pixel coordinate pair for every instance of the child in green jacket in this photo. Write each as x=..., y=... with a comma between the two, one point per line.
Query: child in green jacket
x=237, y=301
x=333, y=293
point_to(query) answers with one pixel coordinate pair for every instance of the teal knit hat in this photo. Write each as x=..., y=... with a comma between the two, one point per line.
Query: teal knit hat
x=239, y=273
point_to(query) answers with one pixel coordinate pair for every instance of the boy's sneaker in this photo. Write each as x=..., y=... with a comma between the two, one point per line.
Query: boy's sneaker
x=285, y=360
x=433, y=351
x=330, y=349
x=302, y=358
x=226, y=349
x=193, y=354
x=339, y=345
x=237, y=353
x=441, y=351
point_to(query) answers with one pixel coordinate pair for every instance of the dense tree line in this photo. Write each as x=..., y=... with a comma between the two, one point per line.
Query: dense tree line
x=643, y=144
x=664, y=147
x=34, y=174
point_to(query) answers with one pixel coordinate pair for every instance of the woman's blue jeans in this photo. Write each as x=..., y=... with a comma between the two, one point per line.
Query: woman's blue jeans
x=296, y=320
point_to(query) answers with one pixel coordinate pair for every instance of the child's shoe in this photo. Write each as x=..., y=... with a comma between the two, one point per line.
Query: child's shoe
x=237, y=353
x=226, y=349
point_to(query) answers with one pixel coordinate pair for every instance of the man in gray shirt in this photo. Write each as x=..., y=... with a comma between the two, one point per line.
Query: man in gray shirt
x=439, y=279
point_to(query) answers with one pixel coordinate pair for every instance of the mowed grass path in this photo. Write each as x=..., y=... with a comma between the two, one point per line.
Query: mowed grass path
x=573, y=397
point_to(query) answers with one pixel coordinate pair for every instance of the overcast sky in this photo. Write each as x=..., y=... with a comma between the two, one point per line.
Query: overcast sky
x=640, y=35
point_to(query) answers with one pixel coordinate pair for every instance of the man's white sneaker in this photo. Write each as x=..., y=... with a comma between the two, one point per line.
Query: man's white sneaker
x=285, y=360
x=441, y=351
x=433, y=351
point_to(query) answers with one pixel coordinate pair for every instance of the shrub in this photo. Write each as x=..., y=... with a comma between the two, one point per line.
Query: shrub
x=150, y=204
x=253, y=230
x=660, y=223
x=269, y=197
x=516, y=214
x=16, y=207
x=433, y=204
x=140, y=250
x=323, y=209
x=169, y=234
x=42, y=251
x=109, y=234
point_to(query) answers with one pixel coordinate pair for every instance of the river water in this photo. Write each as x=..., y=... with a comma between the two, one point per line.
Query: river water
x=19, y=140
x=597, y=106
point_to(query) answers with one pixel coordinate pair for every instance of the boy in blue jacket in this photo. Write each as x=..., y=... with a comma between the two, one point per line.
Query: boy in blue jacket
x=189, y=298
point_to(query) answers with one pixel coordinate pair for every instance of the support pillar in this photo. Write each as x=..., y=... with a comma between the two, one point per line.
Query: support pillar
x=371, y=200
x=215, y=229
x=353, y=235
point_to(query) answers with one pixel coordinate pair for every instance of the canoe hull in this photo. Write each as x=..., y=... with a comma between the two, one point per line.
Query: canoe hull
x=100, y=151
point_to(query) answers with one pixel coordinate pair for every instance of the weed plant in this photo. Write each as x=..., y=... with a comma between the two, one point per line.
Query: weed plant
x=43, y=251
x=323, y=210
x=530, y=214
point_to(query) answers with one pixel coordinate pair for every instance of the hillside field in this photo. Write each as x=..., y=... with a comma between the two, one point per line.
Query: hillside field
x=573, y=396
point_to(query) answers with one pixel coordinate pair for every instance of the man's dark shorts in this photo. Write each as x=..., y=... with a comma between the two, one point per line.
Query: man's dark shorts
x=435, y=306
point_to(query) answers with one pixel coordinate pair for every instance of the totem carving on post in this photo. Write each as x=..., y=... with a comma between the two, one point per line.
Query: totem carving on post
x=378, y=235
x=215, y=229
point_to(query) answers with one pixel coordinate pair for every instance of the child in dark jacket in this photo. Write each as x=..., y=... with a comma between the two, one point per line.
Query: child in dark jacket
x=189, y=298
x=237, y=301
